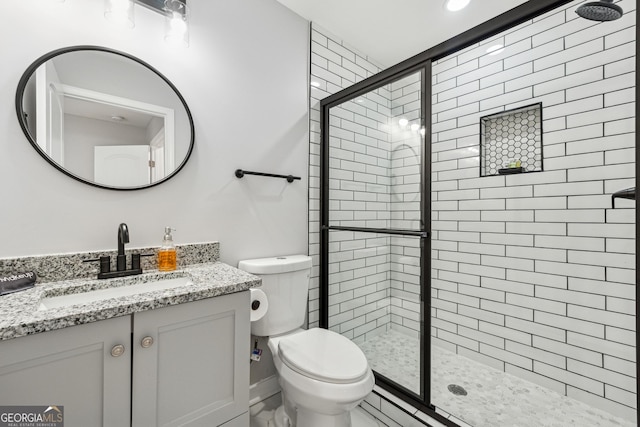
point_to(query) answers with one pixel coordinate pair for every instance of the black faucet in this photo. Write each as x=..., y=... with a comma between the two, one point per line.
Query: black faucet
x=123, y=237
x=121, y=259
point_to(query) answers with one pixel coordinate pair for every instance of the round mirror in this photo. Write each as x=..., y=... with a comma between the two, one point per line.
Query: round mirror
x=105, y=118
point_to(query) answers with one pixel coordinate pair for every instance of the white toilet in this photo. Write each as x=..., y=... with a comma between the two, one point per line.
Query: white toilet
x=323, y=375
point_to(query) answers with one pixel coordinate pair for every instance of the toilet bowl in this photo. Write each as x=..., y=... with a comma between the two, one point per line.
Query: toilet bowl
x=323, y=375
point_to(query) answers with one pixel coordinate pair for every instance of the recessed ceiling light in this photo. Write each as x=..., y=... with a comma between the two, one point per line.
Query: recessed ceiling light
x=118, y=118
x=495, y=49
x=456, y=5
x=315, y=84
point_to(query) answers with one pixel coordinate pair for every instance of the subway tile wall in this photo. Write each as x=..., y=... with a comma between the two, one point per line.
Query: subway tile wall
x=534, y=273
x=374, y=182
x=359, y=189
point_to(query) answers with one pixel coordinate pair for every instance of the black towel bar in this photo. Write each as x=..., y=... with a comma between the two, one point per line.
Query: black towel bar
x=290, y=178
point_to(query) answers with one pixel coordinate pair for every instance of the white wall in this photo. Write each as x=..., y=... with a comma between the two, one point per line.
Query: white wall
x=244, y=77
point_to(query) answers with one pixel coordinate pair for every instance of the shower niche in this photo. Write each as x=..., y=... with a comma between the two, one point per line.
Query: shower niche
x=511, y=141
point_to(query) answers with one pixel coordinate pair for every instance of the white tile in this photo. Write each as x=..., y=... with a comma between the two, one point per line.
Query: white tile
x=507, y=356
x=524, y=53
x=619, y=67
x=604, y=259
x=570, y=324
x=567, y=377
x=571, y=297
x=507, y=98
x=542, y=380
x=601, y=346
x=539, y=330
x=537, y=203
x=609, y=288
x=626, y=170
x=507, y=309
x=601, y=403
x=595, y=59
x=545, y=25
x=570, y=270
x=505, y=262
x=603, y=375
x=601, y=87
x=507, y=239
x=510, y=216
x=545, y=75
x=537, y=228
x=512, y=54
x=574, y=107
x=575, y=161
x=574, y=134
x=601, y=230
x=583, y=215
x=570, y=81
x=588, y=50
x=571, y=351
x=619, y=320
x=482, y=315
x=482, y=270
x=536, y=253
x=500, y=76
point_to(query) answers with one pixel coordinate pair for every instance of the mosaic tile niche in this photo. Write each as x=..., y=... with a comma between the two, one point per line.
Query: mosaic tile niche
x=511, y=141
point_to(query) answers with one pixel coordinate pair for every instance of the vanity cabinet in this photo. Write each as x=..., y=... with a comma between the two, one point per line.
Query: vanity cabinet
x=180, y=365
x=72, y=367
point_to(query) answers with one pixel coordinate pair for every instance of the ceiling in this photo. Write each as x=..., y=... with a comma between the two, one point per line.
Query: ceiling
x=390, y=31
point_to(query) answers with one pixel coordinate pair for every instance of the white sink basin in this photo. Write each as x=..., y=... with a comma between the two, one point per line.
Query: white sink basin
x=114, y=292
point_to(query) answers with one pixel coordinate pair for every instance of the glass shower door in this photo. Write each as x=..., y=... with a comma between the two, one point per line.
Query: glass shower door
x=374, y=228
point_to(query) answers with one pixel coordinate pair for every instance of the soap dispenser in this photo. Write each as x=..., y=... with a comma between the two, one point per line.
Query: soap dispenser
x=167, y=252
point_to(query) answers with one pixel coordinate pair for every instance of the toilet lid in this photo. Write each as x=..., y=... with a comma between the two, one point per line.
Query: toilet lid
x=323, y=355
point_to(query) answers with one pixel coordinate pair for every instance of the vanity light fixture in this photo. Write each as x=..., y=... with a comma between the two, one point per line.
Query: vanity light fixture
x=495, y=49
x=176, y=27
x=120, y=12
x=456, y=5
x=176, y=14
x=415, y=127
x=403, y=122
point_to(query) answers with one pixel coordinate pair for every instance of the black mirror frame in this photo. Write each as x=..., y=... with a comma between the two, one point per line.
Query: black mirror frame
x=21, y=119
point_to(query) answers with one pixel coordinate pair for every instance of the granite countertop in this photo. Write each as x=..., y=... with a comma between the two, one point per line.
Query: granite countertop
x=21, y=313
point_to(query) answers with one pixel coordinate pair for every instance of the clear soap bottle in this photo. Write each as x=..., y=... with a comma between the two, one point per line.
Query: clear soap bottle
x=167, y=252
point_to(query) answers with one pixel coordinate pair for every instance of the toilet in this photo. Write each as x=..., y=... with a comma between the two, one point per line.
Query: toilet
x=323, y=375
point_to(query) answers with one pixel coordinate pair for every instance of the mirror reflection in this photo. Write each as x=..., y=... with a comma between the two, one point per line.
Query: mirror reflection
x=105, y=118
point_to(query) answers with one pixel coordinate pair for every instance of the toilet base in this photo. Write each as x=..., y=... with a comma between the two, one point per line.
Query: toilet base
x=354, y=418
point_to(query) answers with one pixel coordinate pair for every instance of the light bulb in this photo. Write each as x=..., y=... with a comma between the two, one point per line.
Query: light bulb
x=456, y=5
x=176, y=23
x=415, y=127
x=403, y=122
x=120, y=12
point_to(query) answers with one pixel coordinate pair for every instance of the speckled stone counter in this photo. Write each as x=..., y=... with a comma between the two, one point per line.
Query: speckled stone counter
x=21, y=312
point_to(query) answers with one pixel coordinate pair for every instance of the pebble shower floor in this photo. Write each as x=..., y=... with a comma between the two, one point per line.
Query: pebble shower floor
x=494, y=398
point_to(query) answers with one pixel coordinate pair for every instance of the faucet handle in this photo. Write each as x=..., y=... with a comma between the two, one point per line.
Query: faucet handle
x=105, y=263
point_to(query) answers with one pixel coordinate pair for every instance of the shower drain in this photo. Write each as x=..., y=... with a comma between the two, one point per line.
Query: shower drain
x=457, y=390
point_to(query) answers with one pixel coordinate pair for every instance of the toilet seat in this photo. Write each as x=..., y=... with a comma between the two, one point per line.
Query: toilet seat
x=324, y=356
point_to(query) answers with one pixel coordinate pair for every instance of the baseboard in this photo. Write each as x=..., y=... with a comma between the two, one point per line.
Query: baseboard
x=263, y=389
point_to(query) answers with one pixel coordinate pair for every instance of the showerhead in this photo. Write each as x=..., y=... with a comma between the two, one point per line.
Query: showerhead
x=603, y=10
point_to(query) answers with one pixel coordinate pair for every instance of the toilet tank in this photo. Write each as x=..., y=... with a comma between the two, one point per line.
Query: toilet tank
x=285, y=281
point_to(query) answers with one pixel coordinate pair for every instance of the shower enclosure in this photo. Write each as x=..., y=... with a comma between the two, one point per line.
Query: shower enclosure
x=468, y=242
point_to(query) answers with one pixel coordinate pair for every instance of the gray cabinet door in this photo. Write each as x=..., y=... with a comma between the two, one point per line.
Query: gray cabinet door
x=194, y=369
x=73, y=368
